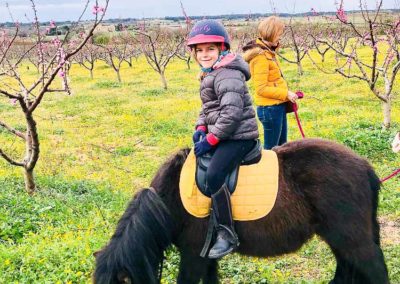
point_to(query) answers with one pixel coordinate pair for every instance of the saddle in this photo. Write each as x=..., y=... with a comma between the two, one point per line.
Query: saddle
x=253, y=197
x=203, y=162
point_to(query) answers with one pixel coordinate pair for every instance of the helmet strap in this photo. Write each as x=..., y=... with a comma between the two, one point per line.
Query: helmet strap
x=223, y=47
x=221, y=55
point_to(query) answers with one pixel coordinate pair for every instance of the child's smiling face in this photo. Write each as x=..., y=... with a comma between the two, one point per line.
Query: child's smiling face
x=207, y=54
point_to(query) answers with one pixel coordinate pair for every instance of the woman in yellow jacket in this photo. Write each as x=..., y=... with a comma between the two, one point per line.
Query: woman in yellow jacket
x=272, y=92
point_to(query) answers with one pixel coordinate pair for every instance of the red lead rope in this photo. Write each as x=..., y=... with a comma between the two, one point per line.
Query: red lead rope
x=295, y=108
x=300, y=95
x=395, y=173
x=299, y=123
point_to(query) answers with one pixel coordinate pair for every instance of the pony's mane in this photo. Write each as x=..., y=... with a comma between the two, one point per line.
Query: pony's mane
x=168, y=174
x=136, y=248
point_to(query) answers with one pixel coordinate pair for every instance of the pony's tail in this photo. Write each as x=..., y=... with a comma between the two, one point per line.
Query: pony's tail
x=375, y=185
x=136, y=248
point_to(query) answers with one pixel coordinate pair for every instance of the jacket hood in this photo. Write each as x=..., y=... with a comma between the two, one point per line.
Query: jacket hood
x=254, y=48
x=234, y=61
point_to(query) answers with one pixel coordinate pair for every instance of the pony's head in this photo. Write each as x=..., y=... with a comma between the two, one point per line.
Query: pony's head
x=136, y=249
x=396, y=143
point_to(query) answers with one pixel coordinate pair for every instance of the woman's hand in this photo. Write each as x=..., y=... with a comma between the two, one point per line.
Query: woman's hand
x=292, y=96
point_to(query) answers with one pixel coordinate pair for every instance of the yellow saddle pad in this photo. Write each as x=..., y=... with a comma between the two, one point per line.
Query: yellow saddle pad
x=253, y=198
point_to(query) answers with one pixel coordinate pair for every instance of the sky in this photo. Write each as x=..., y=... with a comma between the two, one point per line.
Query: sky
x=61, y=10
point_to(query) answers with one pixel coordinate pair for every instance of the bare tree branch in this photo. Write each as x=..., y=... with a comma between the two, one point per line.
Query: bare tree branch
x=10, y=160
x=12, y=130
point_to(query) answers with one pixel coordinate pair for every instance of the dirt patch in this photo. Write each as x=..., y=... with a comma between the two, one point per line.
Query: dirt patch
x=390, y=231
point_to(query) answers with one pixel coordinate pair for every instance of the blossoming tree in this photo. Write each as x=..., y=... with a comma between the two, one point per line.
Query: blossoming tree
x=371, y=55
x=26, y=94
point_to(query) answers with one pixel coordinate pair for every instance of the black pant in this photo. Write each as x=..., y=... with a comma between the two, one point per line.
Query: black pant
x=227, y=155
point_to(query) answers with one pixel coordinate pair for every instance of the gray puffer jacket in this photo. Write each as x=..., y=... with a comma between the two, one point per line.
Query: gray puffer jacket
x=227, y=109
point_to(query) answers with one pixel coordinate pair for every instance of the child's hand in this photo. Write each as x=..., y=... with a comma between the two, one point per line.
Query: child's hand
x=198, y=135
x=202, y=147
x=292, y=96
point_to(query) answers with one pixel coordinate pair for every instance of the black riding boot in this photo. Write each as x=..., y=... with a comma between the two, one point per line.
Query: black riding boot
x=226, y=240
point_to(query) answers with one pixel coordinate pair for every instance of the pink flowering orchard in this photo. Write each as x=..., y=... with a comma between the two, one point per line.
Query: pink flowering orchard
x=370, y=52
x=52, y=62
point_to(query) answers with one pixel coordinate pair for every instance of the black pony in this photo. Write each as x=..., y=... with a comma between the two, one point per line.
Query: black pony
x=324, y=189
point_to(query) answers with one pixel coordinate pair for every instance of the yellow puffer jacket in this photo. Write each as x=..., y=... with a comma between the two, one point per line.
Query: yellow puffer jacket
x=270, y=87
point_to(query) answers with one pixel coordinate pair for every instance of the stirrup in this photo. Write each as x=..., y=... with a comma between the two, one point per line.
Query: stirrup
x=234, y=239
x=225, y=245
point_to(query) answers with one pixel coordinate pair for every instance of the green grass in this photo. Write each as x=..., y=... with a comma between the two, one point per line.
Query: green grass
x=107, y=140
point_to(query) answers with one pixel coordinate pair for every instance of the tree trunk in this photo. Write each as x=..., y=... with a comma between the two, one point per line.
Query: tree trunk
x=118, y=75
x=387, y=110
x=91, y=73
x=164, y=81
x=299, y=68
x=387, y=106
x=30, y=185
x=188, y=63
x=32, y=150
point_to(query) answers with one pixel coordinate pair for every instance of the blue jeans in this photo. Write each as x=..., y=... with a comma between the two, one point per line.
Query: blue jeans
x=274, y=121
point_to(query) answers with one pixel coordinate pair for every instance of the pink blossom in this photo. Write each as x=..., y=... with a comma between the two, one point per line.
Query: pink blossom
x=390, y=58
x=52, y=24
x=61, y=74
x=13, y=101
x=60, y=57
x=96, y=9
x=375, y=47
x=341, y=15
x=56, y=42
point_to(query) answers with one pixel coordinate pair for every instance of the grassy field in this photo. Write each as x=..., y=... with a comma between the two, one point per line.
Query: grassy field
x=104, y=142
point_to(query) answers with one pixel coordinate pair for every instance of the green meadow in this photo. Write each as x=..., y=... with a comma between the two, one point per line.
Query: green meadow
x=107, y=140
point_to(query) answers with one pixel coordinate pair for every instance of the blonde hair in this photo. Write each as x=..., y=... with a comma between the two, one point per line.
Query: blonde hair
x=270, y=28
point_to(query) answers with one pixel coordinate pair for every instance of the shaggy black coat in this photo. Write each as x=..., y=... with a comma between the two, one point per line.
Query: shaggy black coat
x=324, y=189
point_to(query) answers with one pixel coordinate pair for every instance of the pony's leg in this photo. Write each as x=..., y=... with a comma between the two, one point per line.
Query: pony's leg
x=344, y=271
x=211, y=277
x=193, y=268
x=363, y=264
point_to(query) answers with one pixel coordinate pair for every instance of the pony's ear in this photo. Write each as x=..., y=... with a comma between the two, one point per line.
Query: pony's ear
x=96, y=253
x=396, y=143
